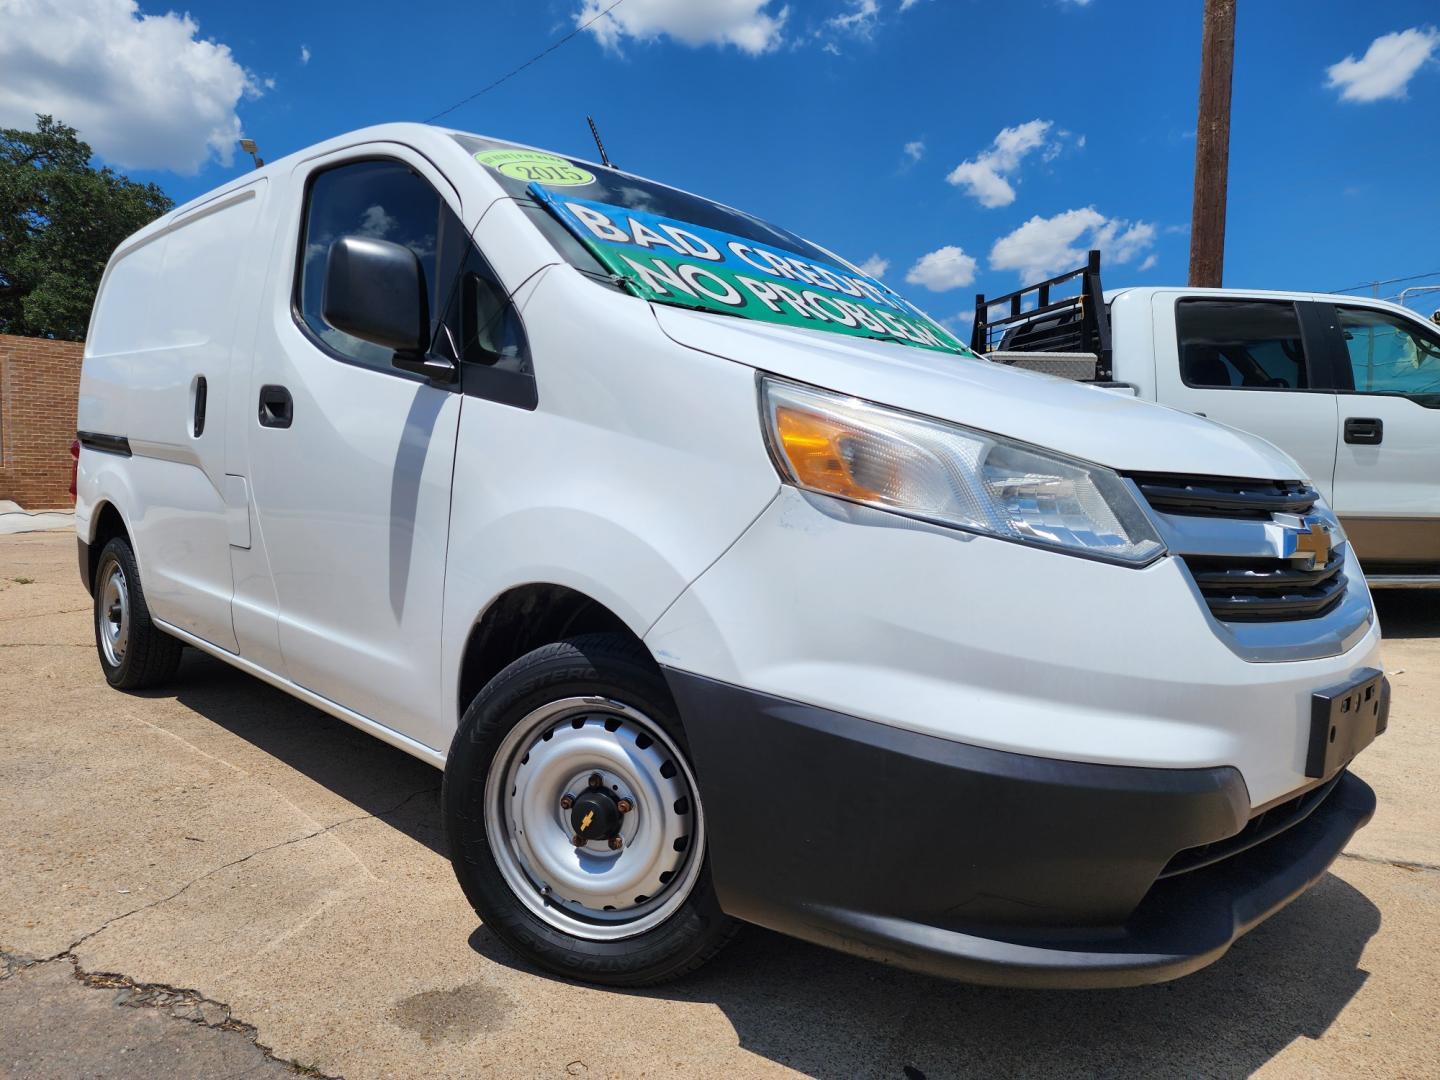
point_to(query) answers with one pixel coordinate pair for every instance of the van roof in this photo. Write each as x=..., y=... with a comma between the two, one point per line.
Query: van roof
x=411, y=133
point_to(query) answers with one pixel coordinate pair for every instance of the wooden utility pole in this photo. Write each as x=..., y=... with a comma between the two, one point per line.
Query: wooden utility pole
x=1212, y=145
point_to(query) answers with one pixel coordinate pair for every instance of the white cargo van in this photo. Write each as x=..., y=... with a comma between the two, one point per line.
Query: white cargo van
x=1348, y=386
x=722, y=583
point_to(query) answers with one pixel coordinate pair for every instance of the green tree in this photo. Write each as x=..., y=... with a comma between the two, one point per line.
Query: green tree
x=60, y=218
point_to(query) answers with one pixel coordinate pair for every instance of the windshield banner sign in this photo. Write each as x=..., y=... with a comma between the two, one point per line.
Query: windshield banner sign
x=677, y=263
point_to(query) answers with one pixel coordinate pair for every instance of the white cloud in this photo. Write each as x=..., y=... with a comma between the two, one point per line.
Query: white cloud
x=906, y=5
x=915, y=150
x=1149, y=263
x=1077, y=3
x=943, y=269
x=875, y=266
x=749, y=25
x=860, y=20
x=143, y=90
x=304, y=54
x=1387, y=66
x=985, y=176
x=1042, y=247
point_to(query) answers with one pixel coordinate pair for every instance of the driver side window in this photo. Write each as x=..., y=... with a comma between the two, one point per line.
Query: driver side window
x=382, y=199
x=1390, y=355
x=1235, y=344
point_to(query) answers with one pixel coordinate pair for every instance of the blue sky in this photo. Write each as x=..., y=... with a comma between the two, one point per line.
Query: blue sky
x=803, y=113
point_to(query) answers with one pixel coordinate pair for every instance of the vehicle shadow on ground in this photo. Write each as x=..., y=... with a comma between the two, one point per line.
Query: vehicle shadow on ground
x=832, y=1016
x=1408, y=613
x=379, y=779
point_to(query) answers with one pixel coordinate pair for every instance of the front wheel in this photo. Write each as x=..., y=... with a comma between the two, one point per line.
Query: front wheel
x=574, y=820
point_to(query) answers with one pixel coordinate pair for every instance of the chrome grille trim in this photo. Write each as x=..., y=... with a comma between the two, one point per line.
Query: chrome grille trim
x=1235, y=534
x=1253, y=544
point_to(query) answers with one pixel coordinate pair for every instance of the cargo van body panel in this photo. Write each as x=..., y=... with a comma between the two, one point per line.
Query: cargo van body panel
x=170, y=331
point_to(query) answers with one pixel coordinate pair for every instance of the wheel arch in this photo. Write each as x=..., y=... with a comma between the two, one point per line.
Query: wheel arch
x=106, y=523
x=522, y=619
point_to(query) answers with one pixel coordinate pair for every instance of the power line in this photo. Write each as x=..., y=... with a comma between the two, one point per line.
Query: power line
x=1387, y=281
x=538, y=56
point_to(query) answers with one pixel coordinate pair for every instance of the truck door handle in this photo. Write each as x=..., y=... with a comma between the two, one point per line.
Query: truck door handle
x=276, y=407
x=1366, y=430
x=200, y=395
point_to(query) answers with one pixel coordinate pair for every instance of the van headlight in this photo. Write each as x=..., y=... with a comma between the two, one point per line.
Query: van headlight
x=952, y=475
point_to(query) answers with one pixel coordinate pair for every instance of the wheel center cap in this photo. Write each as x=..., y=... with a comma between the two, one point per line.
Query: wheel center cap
x=595, y=816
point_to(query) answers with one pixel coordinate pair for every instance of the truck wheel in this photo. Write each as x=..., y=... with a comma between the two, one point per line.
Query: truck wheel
x=134, y=653
x=574, y=820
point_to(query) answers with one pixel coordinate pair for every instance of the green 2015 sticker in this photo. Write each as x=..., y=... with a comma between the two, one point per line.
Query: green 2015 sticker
x=535, y=166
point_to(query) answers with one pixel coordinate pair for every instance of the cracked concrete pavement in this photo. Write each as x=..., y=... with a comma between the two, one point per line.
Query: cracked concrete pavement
x=221, y=846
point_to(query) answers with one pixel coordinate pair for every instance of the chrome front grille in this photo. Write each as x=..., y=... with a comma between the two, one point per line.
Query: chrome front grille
x=1250, y=585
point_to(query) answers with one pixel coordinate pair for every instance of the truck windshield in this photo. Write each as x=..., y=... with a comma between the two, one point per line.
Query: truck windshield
x=671, y=247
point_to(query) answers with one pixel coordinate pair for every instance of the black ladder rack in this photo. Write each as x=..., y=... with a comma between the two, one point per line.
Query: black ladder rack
x=1073, y=324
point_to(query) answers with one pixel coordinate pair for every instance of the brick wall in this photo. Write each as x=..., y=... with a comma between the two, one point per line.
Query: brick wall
x=39, y=387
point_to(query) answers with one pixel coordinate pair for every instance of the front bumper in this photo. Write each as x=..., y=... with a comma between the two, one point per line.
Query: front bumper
x=986, y=865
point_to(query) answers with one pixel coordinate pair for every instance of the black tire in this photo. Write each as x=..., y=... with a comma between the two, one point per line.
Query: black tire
x=147, y=656
x=602, y=665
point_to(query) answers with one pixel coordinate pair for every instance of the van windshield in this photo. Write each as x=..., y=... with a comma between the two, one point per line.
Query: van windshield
x=671, y=247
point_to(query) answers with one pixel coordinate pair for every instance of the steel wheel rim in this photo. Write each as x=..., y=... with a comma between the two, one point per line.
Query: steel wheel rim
x=594, y=892
x=112, y=614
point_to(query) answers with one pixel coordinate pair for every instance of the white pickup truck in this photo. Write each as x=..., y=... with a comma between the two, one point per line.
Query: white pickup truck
x=1349, y=387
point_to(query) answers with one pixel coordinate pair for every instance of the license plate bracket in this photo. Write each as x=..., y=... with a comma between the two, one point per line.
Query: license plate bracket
x=1345, y=719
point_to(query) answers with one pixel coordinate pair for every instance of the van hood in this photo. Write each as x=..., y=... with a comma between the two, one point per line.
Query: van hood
x=1103, y=426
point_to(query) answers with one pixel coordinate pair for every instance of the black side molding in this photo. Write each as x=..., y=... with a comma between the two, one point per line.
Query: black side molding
x=83, y=551
x=106, y=444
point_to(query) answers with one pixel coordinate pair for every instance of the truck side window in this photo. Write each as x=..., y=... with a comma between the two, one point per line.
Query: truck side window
x=1391, y=355
x=1241, y=343
x=385, y=200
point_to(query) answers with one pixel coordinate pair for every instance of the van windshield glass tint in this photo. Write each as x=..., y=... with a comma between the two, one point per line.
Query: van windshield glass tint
x=675, y=248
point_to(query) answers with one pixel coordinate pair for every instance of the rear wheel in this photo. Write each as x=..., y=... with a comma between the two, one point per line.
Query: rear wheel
x=575, y=823
x=134, y=653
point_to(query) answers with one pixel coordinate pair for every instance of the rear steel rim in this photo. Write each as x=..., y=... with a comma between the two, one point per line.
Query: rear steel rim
x=609, y=886
x=112, y=613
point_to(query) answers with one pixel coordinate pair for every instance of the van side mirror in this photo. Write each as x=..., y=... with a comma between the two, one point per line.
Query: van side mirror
x=375, y=291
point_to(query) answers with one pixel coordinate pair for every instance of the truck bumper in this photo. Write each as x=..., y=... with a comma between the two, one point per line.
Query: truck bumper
x=985, y=865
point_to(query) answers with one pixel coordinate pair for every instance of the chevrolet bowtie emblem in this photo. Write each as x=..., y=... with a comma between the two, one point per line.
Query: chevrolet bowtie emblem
x=1312, y=545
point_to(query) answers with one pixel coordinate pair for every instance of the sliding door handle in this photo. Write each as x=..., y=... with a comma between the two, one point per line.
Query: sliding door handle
x=276, y=407
x=198, y=424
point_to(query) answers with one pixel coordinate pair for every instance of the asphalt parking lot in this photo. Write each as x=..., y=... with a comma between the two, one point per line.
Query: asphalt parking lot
x=220, y=862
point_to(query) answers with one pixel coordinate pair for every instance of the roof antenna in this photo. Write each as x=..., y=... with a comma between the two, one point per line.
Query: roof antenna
x=604, y=157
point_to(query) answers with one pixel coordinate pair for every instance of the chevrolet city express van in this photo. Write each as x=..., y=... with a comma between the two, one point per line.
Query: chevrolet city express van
x=723, y=584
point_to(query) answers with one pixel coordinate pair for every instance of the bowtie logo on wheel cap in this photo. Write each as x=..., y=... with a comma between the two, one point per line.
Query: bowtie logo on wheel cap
x=596, y=814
